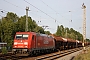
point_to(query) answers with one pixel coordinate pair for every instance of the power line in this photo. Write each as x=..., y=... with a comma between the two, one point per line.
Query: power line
x=41, y=10
x=13, y=4
x=3, y=11
x=48, y=6
x=31, y=5
x=34, y=7
x=51, y=8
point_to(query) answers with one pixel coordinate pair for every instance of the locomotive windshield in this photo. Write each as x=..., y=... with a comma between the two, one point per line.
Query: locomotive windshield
x=22, y=36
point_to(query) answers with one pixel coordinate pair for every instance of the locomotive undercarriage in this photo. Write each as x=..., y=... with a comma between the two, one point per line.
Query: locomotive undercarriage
x=40, y=50
x=32, y=51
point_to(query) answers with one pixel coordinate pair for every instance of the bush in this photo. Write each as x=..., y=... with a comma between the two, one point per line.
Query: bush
x=4, y=50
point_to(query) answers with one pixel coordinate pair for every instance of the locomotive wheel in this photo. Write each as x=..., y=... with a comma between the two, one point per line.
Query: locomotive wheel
x=30, y=54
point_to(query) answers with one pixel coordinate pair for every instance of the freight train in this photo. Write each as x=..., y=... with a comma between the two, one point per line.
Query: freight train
x=33, y=43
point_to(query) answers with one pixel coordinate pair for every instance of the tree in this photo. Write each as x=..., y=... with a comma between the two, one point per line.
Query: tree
x=39, y=30
x=47, y=32
x=7, y=31
x=58, y=33
x=68, y=33
x=62, y=30
x=12, y=16
x=88, y=40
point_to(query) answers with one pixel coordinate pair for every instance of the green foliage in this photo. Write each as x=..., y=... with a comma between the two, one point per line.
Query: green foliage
x=12, y=16
x=58, y=33
x=39, y=30
x=47, y=32
x=4, y=50
x=88, y=40
x=68, y=33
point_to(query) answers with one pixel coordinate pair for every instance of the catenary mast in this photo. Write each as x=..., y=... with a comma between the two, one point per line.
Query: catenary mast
x=84, y=23
x=26, y=29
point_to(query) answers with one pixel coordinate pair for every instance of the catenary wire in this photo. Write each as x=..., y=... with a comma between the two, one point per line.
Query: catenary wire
x=13, y=4
x=41, y=11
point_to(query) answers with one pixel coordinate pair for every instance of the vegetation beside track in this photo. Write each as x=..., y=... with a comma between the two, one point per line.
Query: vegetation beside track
x=83, y=56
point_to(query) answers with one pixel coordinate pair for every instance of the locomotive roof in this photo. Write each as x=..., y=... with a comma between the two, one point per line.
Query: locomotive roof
x=38, y=34
x=23, y=32
x=44, y=35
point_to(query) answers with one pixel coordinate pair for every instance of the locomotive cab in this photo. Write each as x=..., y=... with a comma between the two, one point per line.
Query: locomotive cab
x=23, y=42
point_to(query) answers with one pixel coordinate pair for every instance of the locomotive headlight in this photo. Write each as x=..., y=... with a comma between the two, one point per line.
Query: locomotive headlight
x=15, y=46
x=25, y=43
x=15, y=43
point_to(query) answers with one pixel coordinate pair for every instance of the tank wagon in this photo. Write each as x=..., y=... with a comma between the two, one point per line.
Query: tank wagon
x=32, y=43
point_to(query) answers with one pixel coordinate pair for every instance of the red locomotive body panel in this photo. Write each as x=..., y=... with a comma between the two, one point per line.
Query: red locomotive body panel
x=45, y=41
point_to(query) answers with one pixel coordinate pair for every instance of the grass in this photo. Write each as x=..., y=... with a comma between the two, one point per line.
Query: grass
x=83, y=56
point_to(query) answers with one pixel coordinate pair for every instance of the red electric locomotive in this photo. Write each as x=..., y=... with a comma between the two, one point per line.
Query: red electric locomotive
x=32, y=43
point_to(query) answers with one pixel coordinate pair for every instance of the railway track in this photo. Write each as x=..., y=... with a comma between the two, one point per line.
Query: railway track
x=50, y=56
x=58, y=55
x=9, y=57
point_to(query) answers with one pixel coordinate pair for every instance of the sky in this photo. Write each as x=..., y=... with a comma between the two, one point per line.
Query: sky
x=51, y=13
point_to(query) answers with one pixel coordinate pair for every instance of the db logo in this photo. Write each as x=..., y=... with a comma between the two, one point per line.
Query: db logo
x=46, y=42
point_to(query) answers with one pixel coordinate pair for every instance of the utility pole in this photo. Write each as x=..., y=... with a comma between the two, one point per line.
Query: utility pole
x=66, y=33
x=84, y=24
x=26, y=29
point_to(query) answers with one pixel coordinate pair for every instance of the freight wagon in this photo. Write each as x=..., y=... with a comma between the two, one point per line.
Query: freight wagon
x=66, y=43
